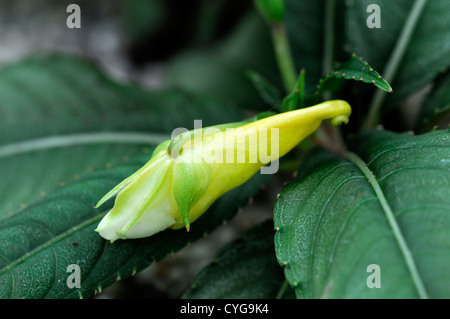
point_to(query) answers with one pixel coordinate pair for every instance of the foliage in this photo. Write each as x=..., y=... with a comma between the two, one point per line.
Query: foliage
x=373, y=193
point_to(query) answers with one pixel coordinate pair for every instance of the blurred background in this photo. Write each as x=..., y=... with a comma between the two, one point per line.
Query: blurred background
x=158, y=44
x=153, y=42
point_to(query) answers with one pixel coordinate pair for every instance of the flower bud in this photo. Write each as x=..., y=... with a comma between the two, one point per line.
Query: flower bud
x=187, y=174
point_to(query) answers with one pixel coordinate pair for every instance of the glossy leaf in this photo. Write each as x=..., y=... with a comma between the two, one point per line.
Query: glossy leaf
x=62, y=117
x=435, y=111
x=269, y=93
x=333, y=224
x=244, y=269
x=39, y=243
x=358, y=70
x=428, y=52
x=70, y=134
x=304, y=23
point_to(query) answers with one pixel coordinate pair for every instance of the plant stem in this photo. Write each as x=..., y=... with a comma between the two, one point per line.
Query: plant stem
x=282, y=290
x=301, y=88
x=417, y=280
x=331, y=133
x=327, y=135
x=394, y=62
x=283, y=56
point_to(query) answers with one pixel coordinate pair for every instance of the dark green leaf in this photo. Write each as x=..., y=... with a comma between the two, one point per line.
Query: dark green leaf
x=39, y=243
x=304, y=23
x=268, y=92
x=436, y=108
x=244, y=269
x=306, y=27
x=54, y=109
x=141, y=17
x=428, y=52
x=68, y=103
x=332, y=224
x=359, y=70
x=296, y=99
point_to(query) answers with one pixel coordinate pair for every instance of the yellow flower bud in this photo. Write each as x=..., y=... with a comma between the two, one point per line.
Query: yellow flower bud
x=186, y=175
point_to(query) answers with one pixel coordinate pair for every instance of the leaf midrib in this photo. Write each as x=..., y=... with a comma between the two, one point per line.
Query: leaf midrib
x=53, y=240
x=406, y=252
x=394, y=61
x=59, y=141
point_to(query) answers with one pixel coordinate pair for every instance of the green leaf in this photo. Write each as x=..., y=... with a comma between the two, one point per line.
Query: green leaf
x=296, y=99
x=359, y=70
x=304, y=23
x=315, y=33
x=244, y=269
x=428, y=52
x=269, y=93
x=389, y=207
x=140, y=18
x=436, y=107
x=69, y=135
x=62, y=117
x=39, y=243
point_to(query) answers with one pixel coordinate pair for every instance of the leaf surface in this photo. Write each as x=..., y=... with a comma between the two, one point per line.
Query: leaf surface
x=244, y=269
x=428, y=52
x=62, y=117
x=332, y=224
x=69, y=134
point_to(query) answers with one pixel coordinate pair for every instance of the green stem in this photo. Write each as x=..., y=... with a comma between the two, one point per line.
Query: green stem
x=282, y=290
x=417, y=280
x=80, y=139
x=283, y=56
x=329, y=138
x=394, y=62
x=333, y=132
x=301, y=88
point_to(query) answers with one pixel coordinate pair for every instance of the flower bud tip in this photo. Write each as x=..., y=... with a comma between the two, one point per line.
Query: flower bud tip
x=338, y=120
